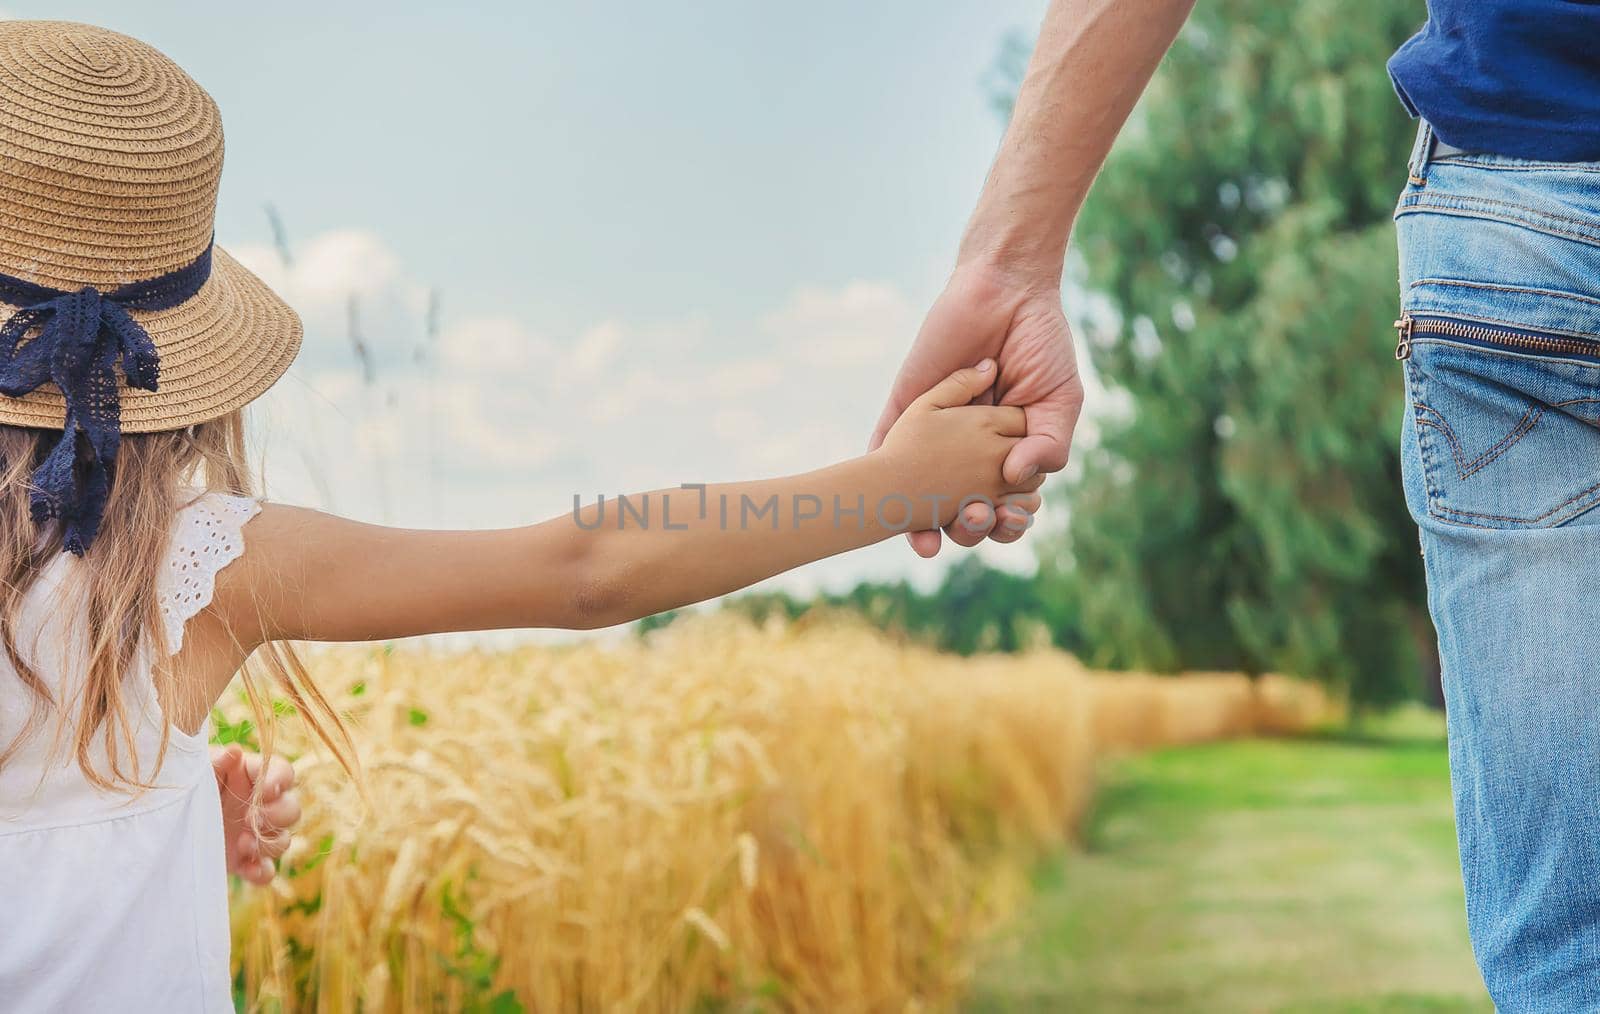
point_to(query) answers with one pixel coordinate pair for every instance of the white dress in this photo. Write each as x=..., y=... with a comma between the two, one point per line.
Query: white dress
x=113, y=901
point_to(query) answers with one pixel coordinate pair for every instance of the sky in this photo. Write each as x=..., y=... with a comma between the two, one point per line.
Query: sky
x=661, y=243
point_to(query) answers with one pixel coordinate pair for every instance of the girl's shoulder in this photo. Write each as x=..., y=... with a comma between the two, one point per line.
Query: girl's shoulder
x=208, y=533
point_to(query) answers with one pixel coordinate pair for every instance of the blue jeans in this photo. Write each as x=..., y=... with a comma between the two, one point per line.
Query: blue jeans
x=1500, y=343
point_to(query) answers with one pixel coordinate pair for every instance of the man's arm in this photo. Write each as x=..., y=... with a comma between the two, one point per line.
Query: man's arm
x=1092, y=61
x=1089, y=67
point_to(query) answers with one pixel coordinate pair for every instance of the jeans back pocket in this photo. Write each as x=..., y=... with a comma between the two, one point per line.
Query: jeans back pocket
x=1507, y=422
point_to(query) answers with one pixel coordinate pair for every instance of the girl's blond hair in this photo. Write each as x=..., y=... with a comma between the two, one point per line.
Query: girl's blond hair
x=155, y=475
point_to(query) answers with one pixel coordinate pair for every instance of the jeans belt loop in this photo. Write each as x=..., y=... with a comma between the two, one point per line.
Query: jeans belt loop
x=1420, y=150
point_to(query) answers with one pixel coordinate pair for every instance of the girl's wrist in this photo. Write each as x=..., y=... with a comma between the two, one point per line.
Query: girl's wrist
x=892, y=491
x=913, y=494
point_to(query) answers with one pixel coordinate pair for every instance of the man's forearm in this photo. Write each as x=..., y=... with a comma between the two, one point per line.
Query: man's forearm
x=1092, y=61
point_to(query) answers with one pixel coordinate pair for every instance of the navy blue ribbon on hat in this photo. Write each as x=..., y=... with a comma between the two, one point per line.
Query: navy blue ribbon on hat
x=82, y=339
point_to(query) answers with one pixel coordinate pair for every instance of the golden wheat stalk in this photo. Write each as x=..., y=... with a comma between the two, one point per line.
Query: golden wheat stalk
x=813, y=817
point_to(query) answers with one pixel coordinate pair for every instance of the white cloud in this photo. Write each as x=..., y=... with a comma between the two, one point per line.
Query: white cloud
x=856, y=324
x=751, y=376
x=491, y=430
x=332, y=266
x=490, y=345
x=596, y=348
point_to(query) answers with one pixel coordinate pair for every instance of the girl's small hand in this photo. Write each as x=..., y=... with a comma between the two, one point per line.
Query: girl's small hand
x=254, y=845
x=945, y=453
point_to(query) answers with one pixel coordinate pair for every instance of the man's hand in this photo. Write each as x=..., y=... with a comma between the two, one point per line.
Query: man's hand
x=983, y=312
x=254, y=845
x=1092, y=61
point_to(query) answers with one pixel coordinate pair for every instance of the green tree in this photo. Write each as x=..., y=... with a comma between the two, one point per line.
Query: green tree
x=1245, y=512
x=975, y=608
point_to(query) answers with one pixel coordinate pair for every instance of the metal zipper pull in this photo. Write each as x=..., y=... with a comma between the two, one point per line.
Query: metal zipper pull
x=1402, y=327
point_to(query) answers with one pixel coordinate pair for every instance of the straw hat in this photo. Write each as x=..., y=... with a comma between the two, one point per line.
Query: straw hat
x=109, y=161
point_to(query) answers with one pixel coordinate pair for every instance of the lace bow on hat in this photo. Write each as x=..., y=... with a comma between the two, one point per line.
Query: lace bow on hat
x=85, y=343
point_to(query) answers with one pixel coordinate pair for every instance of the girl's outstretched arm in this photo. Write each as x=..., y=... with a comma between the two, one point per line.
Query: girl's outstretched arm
x=313, y=576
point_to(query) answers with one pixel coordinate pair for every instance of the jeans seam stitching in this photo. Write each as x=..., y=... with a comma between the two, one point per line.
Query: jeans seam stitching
x=1468, y=160
x=1504, y=288
x=1408, y=207
x=1552, y=511
x=1424, y=448
x=1454, y=521
x=1494, y=203
x=1467, y=469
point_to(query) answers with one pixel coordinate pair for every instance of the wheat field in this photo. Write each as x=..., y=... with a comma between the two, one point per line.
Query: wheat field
x=805, y=817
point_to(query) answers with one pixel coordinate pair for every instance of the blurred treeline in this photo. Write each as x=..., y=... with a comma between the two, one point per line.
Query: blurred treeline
x=975, y=608
x=1233, y=277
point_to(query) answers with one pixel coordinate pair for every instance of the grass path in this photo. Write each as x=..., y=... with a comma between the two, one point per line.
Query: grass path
x=1313, y=875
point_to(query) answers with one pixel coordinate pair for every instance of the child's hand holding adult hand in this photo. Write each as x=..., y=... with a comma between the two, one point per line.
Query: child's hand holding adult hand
x=1013, y=314
x=946, y=454
x=253, y=846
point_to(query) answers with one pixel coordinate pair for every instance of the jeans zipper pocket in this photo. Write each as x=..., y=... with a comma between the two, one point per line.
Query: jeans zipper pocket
x=1491, y=336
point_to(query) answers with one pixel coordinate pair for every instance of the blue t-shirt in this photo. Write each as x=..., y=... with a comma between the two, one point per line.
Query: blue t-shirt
x=1508, y=77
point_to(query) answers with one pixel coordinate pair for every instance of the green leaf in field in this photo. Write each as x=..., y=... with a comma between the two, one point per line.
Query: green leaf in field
x=505, y=1002
x=473, y=966
x=307, y=906
x=323, y=850
x=225, y=732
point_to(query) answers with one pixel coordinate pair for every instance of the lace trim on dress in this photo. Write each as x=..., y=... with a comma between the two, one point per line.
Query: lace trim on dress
x=208, y=536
